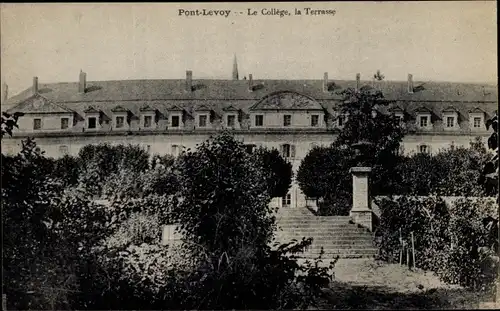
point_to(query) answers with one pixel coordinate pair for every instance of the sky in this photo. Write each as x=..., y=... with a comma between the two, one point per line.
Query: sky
x=434, y=41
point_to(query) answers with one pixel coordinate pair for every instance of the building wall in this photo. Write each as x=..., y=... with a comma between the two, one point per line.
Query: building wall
x=49, y=122
x=162, y=144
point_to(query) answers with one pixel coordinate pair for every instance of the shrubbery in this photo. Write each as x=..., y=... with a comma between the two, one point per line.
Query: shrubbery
x=451, y=241
x=65, y=251
x=455, y=171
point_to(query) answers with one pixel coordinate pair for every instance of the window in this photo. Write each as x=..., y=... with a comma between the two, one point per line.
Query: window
x=148, y=121
x=250, y=148
x=286, y=200
x=424, y=121
x=399, y=119
x=314, y=120
x=63, y=150
x=477, y=122
x=37, y=124
x=64, y=123
x=202, y=121
x=340, y=121
x=288, y=151
x=259, y=120
x=231, y=120
x=175, y=121
x=450, y=121
x=119, y=122
x=92, y=122
x=424, y=149
x=287, y=120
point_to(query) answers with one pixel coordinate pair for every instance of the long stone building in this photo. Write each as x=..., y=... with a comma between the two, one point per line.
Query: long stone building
x=293, y=116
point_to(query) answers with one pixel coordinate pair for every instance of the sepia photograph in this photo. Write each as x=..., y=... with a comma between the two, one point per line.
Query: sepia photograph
x=250, y=155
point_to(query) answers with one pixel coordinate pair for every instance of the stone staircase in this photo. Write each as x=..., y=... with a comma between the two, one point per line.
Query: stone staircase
x=335, y=234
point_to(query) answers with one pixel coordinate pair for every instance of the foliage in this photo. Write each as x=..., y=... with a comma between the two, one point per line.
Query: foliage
x=36, y=274
x=451, y=172
x=97, y=162
x=9, y=122
x=66, y=170
x=368, y=138
x=489, y=175
x=160, y=180
x=451, y=241
x=279, y=171
x=227, y=224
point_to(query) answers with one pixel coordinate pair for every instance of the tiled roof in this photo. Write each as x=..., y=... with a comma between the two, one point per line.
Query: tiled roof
x=220, y=95
x=40, y=104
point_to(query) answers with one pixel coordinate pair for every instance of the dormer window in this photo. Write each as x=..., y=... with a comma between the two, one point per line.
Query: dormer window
x=450, y=121
x=92, y=118
x=119, y=122
x=204, y=116
x=450, y=118
x=91, y=122
x=476, y=119
x=147, y=121
x=175, y=117
x=424, y=121
x=202, y=120
x=231, y=120
x=175, y=121
x=476, y=123
x=423, y=118
x=147, y=117
x=120, y=117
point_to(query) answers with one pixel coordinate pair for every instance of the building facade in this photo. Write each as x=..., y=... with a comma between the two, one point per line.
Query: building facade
x=292, y=116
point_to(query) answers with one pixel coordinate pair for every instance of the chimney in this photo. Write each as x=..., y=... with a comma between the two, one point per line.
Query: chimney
x=358, y=81
x=410, y=83
x=189, y=81
x=82, y=85
x=35, y=85
x=5, y=92
x=325, y=82
x=250, y=83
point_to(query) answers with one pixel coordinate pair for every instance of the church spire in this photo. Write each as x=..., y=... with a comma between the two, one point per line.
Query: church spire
x=235, y=68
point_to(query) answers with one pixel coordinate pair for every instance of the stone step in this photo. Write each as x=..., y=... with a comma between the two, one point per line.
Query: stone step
x=317, y=224
x=340, y=253
x=322, y=228
x=340, y=245
x=328, y=232
x=326, y=238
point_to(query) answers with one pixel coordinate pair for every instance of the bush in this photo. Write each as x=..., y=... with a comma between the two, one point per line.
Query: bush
x=453, y=242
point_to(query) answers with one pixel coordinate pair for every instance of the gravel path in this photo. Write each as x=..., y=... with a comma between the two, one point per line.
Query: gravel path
x=370, y=284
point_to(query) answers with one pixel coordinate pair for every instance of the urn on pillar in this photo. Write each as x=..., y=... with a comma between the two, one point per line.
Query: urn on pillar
x=361, y=212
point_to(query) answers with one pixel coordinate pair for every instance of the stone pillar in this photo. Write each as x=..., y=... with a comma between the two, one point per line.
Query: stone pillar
x=361, y=212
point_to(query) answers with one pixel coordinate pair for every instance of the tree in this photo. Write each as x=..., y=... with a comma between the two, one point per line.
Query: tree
x=9, y=121
x=226, y=222
x=489, y=175
x=279, y=171
x=370, y=137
